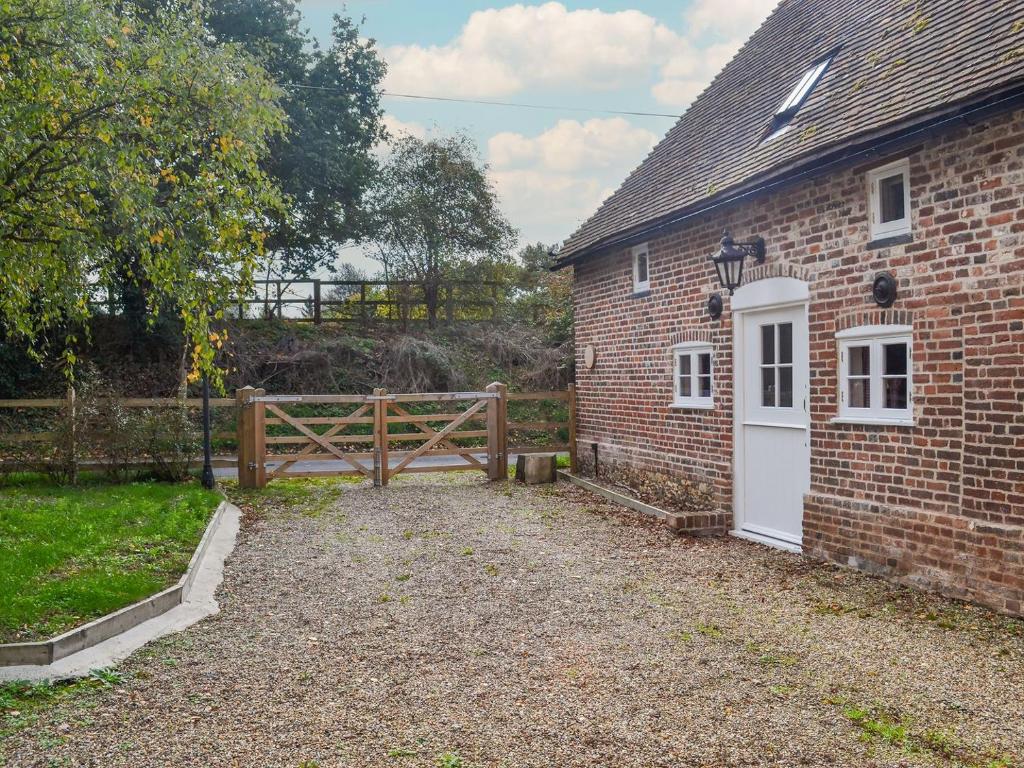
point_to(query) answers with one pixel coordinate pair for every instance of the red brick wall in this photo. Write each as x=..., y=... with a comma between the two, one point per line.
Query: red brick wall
x=939, y=504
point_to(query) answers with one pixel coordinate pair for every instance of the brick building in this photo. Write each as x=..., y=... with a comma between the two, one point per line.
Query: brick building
x=860, y=397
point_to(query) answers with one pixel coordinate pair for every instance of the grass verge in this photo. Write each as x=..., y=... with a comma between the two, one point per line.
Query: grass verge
x=69, y=555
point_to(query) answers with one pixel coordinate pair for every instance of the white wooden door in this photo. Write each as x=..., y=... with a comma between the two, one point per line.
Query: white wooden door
x=773, y=451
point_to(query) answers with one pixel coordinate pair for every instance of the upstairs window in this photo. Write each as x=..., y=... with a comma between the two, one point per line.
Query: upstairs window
x=889, y=200
x=692, y=378
x=791, y=104
x=875, y=378
x=641, y=269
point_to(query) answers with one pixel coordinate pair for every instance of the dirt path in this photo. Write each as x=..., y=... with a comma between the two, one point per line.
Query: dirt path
x=449, y=622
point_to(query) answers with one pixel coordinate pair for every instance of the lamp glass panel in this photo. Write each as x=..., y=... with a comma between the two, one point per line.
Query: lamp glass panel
x=723, y=276
x=735, y=272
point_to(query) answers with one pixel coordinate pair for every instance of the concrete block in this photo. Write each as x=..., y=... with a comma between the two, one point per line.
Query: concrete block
x=536, y=468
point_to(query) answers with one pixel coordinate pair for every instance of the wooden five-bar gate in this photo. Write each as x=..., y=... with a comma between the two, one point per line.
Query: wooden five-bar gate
x=323, y=435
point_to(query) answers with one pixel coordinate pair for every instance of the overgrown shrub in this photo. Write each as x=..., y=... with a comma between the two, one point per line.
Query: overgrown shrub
x=412, y=364
x=113, y=436
x=57, y=455
x=171, y=441
x=510, y=348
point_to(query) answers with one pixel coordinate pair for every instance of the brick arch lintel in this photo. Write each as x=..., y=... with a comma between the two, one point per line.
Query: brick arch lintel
x=702, y=335
x=876, y=316
x=777, y=269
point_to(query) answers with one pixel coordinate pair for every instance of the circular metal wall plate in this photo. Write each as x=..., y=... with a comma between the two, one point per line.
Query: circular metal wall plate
x=589, y=356
x=715, y=306
x=883, y=290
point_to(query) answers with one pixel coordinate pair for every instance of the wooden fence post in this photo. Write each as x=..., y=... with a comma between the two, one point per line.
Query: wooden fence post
x=317, y=314
x=259, y=422
x=252, y=471
x=572, y=429
x=377, y=478
x=503, y=436
x=73, y=434
x=381, y=470
x=245, y=473
x=497, y=432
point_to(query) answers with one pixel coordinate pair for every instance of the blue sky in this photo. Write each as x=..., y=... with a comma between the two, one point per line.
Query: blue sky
x=551, y=169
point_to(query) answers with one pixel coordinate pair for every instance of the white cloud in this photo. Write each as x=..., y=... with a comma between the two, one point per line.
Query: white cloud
x=571, y=146
x=739, y=21
x=689, y=71
x=501, y=51
x=397, y=128
x=712, y=37
x=552, y=180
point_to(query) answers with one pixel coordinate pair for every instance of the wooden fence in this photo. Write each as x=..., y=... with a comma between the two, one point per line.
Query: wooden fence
x=378, y=435
x=46, y=412
x=277, y=441
x=362, y=302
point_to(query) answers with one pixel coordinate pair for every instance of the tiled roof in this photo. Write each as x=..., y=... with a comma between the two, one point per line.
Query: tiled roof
x=898, y=60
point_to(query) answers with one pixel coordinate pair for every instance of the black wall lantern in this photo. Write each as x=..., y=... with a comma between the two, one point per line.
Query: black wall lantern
x=729, y=261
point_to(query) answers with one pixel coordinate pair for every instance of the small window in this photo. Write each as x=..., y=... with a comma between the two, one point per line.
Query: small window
x=791, y=104
x=889, y=200
x=875, y=375
x=641, y=269
x=692, y=376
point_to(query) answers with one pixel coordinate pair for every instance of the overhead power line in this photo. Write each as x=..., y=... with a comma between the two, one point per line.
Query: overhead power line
x=518, y=105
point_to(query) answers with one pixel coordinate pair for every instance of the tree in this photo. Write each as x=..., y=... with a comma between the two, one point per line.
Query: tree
x=435, y=212
x=123, y=133
x=544, y=297
x=332, y=99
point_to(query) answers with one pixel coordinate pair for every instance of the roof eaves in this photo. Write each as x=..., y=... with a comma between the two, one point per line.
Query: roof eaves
x=828, y=158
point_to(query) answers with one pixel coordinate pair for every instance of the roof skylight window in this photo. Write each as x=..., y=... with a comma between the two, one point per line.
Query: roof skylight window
x=787, y=109
x=799, y=93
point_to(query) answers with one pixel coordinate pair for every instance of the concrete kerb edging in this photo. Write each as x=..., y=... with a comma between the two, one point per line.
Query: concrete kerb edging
x=46, y=652
x=671, y=518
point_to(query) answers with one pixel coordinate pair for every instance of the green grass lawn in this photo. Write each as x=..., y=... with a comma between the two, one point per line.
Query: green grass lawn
x=70, y=555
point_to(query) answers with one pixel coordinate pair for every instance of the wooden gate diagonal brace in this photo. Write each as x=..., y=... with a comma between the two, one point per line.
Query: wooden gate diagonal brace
x=439, y=436
x=427, y=429
x=321, y=440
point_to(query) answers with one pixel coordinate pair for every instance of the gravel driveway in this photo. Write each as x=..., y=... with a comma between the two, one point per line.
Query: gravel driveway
x=445, y=621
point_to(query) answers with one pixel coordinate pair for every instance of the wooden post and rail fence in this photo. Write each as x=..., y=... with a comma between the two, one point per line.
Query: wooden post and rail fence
x=363, y=302
x=377, y=436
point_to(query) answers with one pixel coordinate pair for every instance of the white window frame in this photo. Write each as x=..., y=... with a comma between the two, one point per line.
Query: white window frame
x=692, y=350
x=640, y=286
x=803, y=88
x=880, y=230
x=874, y=337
